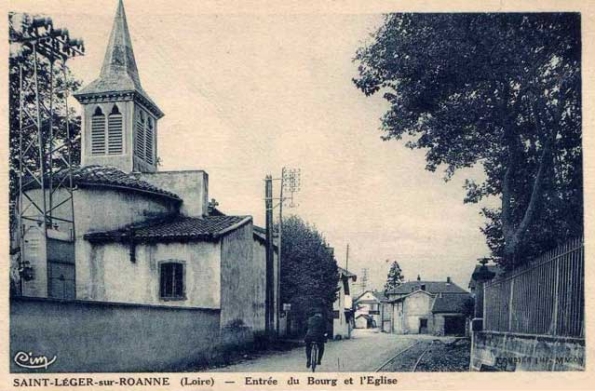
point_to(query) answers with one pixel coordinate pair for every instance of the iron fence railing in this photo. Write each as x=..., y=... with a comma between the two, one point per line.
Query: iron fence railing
x=544, y=297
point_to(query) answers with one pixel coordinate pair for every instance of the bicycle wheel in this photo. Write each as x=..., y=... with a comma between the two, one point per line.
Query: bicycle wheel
x=314, y=356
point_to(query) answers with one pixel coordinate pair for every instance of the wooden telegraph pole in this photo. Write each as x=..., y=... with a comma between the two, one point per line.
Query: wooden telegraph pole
x=270, y=260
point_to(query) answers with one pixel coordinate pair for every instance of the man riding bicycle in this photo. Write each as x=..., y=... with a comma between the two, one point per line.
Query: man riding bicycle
x=316, y=334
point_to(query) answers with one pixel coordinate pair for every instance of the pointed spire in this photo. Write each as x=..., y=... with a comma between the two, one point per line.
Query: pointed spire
x=119, y=57
x=119, y=73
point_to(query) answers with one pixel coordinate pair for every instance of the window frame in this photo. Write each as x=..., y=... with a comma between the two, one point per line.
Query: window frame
x=161, y=265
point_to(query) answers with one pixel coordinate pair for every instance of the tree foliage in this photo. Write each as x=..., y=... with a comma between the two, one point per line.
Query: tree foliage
x=503, y=90
x=309, y=274
x=21, y=60
x=395, y=277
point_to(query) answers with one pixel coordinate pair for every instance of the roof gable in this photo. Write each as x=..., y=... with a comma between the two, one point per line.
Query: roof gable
x=368, y=296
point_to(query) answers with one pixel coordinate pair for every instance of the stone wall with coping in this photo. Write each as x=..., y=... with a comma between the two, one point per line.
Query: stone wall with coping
x=496, y=351
x=111, y=337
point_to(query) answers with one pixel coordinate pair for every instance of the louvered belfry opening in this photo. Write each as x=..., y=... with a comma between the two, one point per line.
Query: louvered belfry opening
x=122, y=130
x=114, y=127
x=149, y=141
x=140, y=134
x=98, y=132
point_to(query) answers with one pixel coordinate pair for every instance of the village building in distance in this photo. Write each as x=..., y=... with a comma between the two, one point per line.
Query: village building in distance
x=367, y=309
x=427, y=307
x=343, y=322
x=140, y=236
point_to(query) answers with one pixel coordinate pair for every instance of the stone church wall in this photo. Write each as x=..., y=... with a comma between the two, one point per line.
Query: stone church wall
x=242, y=286
x=192, y=186
x=114, y=277
x=96, y=209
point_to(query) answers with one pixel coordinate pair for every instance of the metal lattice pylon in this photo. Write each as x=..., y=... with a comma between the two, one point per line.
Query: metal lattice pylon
x=45, y=139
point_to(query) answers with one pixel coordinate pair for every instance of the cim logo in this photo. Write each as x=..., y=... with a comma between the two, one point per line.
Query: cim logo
x=29, y=361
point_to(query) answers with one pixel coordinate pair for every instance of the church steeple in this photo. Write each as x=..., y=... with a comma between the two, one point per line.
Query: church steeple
x=119, y=62
x=119, y=118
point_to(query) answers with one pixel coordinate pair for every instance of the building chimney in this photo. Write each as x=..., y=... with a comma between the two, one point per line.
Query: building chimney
x=448, y=280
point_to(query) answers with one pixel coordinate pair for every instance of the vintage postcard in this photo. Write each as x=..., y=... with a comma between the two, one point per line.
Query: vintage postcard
x=296, y=195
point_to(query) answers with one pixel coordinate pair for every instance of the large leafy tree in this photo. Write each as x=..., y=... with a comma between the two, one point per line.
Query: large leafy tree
x=309, y=274
x=21, y=60
x=394, y=278
x=501, y=90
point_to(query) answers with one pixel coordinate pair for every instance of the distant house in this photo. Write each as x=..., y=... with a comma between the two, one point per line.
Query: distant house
x=368, y=303
x=343, y=321
x=363, y=321
x=426, y=307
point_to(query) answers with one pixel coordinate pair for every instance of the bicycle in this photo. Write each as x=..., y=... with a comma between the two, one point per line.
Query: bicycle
x=314, y=355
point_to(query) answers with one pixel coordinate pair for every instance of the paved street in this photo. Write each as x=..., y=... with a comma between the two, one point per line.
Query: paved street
x=365, y=352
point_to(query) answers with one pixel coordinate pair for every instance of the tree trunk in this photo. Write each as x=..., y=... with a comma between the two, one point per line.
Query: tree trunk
x=513, y=237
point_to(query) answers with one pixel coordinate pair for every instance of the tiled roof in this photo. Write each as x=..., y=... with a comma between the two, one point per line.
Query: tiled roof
x=178, y=228
x=103, y=176
x=431, y=287
x=453, y=302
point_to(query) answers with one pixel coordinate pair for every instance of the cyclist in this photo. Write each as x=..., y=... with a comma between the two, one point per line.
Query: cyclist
x=316, y=334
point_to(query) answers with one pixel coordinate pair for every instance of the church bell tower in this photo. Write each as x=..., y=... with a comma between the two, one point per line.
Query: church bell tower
x=119, y=122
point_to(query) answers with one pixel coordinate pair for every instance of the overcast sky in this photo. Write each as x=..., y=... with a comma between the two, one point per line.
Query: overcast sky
x=246, y=94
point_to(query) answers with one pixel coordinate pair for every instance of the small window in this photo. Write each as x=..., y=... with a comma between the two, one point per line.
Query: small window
x=423, y=287
x=172, y=281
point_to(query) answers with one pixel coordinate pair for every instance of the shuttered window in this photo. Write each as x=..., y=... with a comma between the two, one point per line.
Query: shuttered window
x=172, y=281
x=149, y=141
x=140, y=135
x=98, y=133
x=114, y=128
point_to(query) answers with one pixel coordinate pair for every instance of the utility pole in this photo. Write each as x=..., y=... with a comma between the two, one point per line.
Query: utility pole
x=40, y=148
x=347, y=258
x=364, y=282
x=270, y=257
x=290, y=182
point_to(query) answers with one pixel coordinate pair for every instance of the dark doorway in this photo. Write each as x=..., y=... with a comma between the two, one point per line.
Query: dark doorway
x=61, y=281
x=423, y=326
x=454, y=325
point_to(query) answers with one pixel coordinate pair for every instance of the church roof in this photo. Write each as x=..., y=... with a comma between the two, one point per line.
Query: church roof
x=119, y=73
x=107, y=177
x=174, y=229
